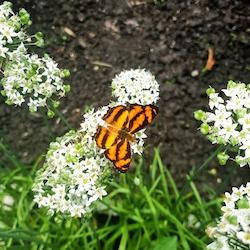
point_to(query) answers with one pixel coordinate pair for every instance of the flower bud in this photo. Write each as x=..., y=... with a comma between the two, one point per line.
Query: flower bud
x=55, y=104
x=204, y=128
x=50, y=114
x=243, y=203
x=39, y=35
x=210, y=91
x=40, y=43
x=24, y=17
x=66, y=88
x=65, y=73
x=232, y=220
x=223, y=158
x=200, y=115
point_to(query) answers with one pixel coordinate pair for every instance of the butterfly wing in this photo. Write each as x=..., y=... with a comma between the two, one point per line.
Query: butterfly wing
x=116, y=118
x=133, y=119
x=120, y=155
x=140, y=116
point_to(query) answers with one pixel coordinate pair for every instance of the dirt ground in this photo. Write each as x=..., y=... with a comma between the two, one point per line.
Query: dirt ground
x=96, y=39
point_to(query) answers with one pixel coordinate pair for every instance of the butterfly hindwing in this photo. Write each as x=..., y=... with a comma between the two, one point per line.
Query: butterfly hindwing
x=120, y=155
x=140, y=116
x=105, y=138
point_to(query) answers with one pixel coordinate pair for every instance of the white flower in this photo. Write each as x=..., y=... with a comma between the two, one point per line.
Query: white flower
x=5, y=9
x=92, y=119
x=235, y=103
x=235, y=221
x=26, y=78
x=245, y=121
x=246, y=147
x=73, y=176
x=7, y=202
x=3, y=50
x=221, y=115
x=8, y=32
x=234, y=89
x=229, y=121
x=228, y=129
x=215, y=100
x=11, y=27
x=244, y=237
x=193, y=221
x=135, y=86
x=137, y=181
x=20, y=51
x=220, y=244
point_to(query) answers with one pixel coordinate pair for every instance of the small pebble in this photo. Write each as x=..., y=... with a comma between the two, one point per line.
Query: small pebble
x=219, y=180
x=195, y=73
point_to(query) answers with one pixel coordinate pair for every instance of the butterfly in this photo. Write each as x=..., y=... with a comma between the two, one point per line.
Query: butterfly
x=121, y=123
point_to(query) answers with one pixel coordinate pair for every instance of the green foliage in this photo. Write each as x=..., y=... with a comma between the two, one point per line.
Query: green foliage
x=144, y=210
x=166, y=243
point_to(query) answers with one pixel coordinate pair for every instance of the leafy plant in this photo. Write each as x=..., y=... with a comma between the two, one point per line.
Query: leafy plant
x=144, y=210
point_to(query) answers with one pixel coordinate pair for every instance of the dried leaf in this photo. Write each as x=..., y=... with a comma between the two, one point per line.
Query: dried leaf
x=210, y=60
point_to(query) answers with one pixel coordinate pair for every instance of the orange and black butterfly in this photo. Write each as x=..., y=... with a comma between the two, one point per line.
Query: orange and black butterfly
x=122, y=122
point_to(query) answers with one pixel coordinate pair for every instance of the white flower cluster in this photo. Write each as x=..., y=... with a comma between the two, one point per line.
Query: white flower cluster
x=11, y=27
x=72, y=177
x=32, y=79
x=26, y=78
x=233, y=230
x=135, y=86
x=75, y=168
x=229, y=121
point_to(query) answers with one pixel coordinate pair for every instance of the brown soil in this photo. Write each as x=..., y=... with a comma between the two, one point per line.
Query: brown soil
x=169, y=39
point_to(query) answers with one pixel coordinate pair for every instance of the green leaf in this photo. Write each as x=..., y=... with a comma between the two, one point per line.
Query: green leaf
x=19, y=247
x=166, y=243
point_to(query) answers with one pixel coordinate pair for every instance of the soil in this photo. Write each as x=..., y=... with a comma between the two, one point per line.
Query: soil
x=96, y=39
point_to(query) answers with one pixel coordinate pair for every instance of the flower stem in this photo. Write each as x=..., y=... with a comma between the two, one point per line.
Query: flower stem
x=60, y=115
x=98, y=244
x=194, y=172
x=45, y=118
x=9, y=155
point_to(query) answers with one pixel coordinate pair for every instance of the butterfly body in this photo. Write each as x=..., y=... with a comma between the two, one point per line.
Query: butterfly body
x=121, y=124
x=124, y=134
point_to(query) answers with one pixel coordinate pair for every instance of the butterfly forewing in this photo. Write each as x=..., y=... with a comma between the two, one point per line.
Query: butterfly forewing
x=140, y=116
x=134, y=110
x=105, y=138
x=116, y=118
x=150, y=112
